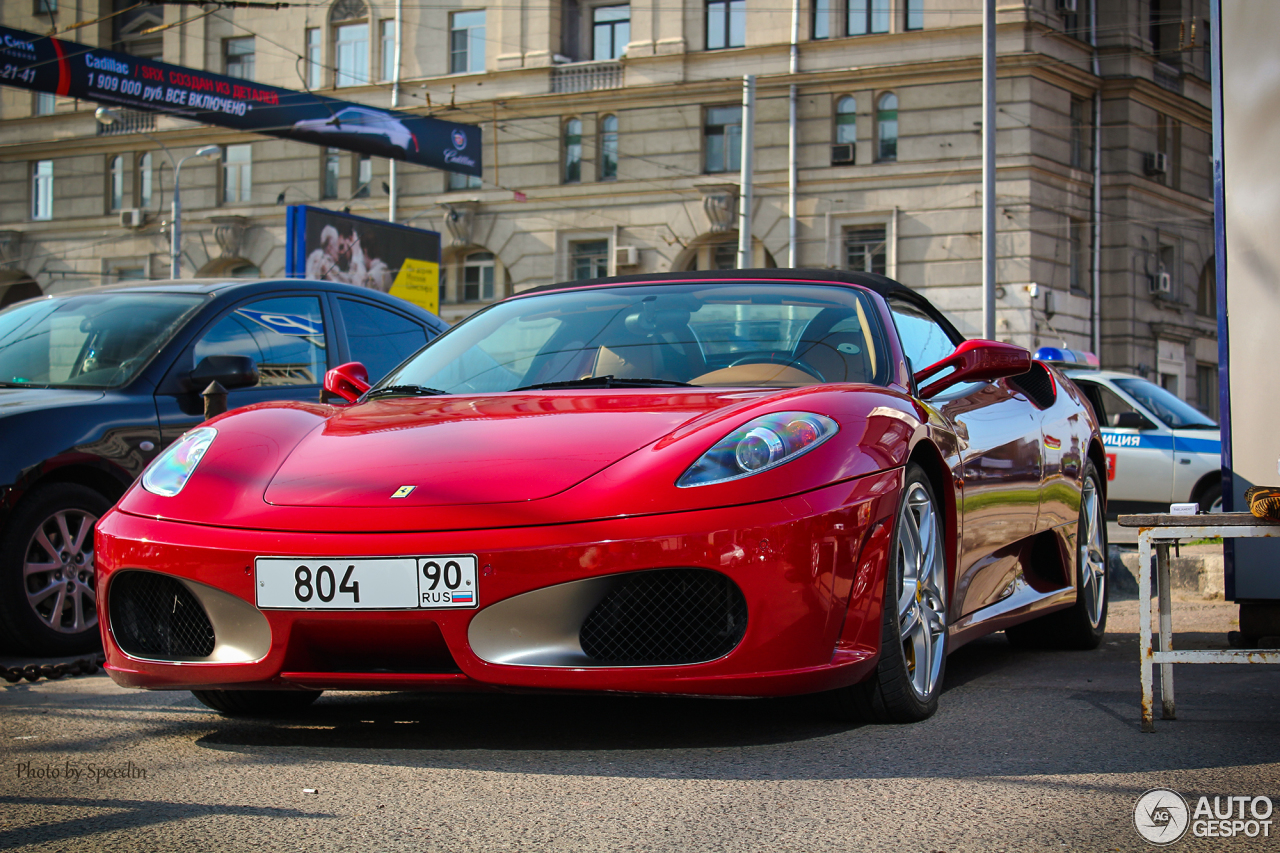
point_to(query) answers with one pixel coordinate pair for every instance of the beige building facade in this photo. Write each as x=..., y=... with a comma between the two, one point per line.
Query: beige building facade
x=611, y=135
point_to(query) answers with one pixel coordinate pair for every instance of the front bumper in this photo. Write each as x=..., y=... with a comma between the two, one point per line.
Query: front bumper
x=810, y=568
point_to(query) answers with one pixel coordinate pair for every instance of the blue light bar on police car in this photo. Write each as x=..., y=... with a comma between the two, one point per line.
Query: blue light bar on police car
x=1067, y=357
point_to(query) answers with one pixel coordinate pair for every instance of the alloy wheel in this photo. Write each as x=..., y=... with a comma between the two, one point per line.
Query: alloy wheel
x=57, y=572
x=922, y=622
x=1091, y=554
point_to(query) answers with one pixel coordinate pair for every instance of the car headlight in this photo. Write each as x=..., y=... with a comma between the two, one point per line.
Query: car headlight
x=169, y=473
x=758, y=445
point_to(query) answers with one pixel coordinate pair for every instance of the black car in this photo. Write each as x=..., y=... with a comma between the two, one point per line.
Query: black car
x=95, y=383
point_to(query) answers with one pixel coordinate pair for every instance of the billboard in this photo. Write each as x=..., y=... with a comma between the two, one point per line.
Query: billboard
x=394, y=259
x=70, y=69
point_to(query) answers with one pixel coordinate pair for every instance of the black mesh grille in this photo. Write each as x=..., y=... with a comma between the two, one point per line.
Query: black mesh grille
x=670, y=616
x=1037, y=384
x=154, y=616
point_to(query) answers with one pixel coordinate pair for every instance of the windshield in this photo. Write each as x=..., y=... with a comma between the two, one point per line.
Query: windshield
x=1170, y=409
x=98, y=340
x=721, y=334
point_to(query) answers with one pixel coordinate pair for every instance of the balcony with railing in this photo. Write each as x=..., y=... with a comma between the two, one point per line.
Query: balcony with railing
x=586, y=76
x=128, y=121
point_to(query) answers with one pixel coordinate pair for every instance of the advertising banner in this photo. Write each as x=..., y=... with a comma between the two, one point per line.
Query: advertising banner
x=395, y=259
x=70, y=69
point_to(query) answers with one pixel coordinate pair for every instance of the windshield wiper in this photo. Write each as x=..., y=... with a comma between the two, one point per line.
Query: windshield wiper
x=404, y=391
x=608, y=381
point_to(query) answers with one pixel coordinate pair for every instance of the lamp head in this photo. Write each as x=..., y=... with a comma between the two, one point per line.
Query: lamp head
x=208, y=151
x=106, y=116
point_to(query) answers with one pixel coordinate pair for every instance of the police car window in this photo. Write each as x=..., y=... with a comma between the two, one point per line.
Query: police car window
x=285, y=336
x=1167, y=407
x=1112, y=404
x=379, y=339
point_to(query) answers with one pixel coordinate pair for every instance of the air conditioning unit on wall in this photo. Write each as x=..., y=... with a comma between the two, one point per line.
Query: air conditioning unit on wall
x=1157, y=163
x=1161, y=284
x=133, y=218
x=842, y=154
x=626, y=256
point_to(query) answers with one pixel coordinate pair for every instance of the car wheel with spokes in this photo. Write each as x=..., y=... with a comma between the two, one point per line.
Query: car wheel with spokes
x=48, y=606
x=913, y=652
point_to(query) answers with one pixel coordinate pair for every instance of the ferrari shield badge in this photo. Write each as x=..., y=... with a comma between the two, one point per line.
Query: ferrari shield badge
x=403, y=491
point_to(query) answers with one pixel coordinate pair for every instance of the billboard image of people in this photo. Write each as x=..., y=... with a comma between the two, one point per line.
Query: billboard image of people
x=395, y=259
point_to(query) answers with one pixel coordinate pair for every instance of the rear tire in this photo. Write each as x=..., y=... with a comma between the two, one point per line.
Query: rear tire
x=1083, y=624
x=257, y=703
x=907, y=680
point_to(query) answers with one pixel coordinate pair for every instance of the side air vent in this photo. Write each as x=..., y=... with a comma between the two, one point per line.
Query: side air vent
x=1037, y=384
x=664, y=617
x=154, y=616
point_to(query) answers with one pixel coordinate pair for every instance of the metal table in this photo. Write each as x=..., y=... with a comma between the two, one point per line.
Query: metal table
x=1158, y=532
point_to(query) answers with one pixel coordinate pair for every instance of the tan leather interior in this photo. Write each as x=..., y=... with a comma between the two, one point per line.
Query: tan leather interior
x=761, y=374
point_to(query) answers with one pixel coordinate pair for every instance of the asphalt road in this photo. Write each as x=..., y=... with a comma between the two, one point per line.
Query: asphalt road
x=1030, y=751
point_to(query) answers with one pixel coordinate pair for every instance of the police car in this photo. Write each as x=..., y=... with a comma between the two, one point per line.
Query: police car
x=1160, y=449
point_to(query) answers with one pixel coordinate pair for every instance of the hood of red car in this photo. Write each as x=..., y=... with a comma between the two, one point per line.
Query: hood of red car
x=441, y=451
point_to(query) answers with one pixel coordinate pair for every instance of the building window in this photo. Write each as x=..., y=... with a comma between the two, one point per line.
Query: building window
x=610, y=31
x=1207, y=296
x=1207, y=57
x=478, y=277
x=351, y=49
x=868, y=16
x=45, y=7
x=44, y=104
x=589, y=259
x=887, y=127
x=315, y=58
x=1081, y=149
x=1076, y=24
x=42, y=189
x=726, y=23
x=388, y=28
x=466, y=42
x=144, y=188
x=332, y=169
x=572, y=151
x=1164, y=23
x=1207, y=389
x=821, y=19
x=363, y=176
x=723, y=141
x=459, y=181
x=1166, y=262
x=237, y=173
x=1078, y=259
x=847, y=121
x=609, y=148
x=914, y=15
x=237, y=54
x=115, y=183
x=724, y=256
x=864, y=249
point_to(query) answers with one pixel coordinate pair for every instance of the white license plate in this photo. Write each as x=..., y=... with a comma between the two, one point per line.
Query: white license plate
x=367, y=583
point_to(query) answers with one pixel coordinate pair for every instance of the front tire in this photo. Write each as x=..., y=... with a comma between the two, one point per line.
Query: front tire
x=48, y=605
x=257, y=703
x=913, y=645
x=1084, y=624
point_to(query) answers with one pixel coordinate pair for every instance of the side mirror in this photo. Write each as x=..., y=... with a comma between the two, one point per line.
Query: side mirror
x=232, y=371
x=348, y=381
x=1131, y=420
x=975, y=361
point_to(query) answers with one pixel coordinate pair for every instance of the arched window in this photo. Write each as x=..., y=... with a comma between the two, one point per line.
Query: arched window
x=115, y=192
x=572, y=151
x=846, y=120
x=1207, y=295
x=887, y=127
x=609, y=148
x=145, y=186
x=350, y=22
x=478, y=270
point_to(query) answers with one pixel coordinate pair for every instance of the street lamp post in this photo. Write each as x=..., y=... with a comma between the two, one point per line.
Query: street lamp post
x=106, y=117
